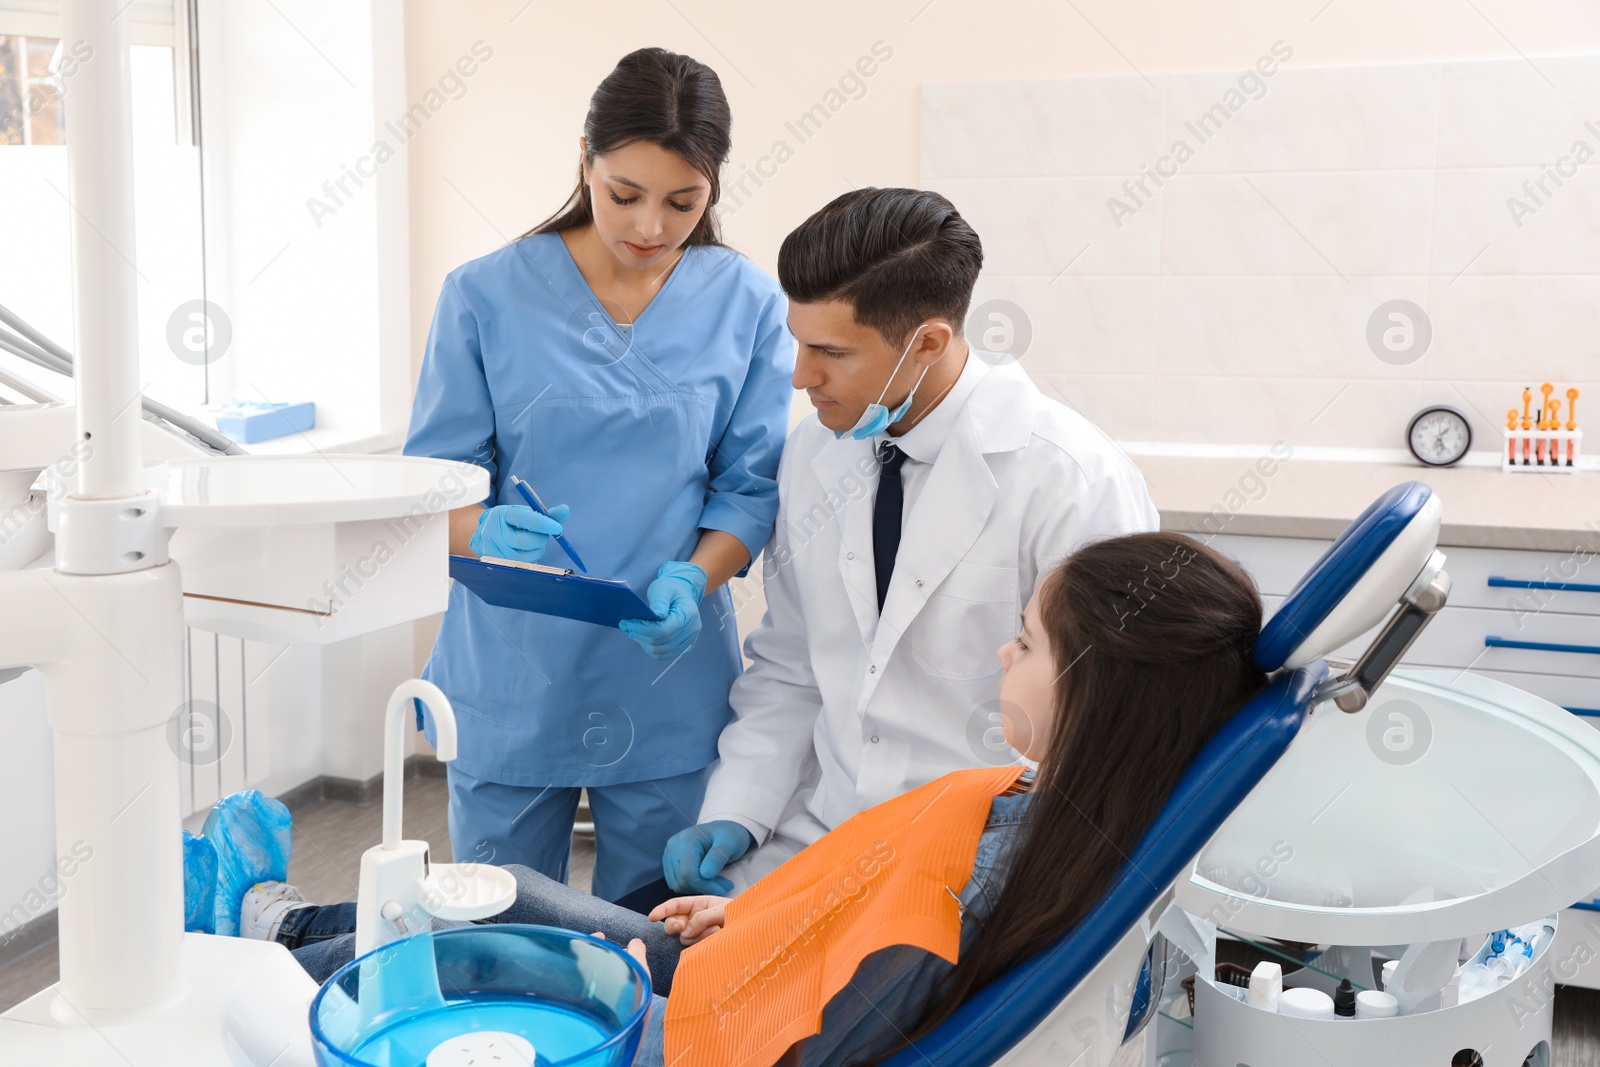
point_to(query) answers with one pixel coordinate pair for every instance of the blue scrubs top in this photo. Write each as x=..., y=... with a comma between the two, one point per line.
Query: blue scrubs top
x=651, y=433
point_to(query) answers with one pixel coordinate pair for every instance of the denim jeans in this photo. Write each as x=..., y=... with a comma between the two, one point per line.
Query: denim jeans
x=323, y=937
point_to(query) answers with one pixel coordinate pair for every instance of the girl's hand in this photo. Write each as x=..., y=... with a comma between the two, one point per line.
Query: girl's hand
x=691, y=918
x=635, y=949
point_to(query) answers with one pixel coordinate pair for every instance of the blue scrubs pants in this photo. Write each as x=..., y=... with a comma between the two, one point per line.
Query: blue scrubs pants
x=505, y=824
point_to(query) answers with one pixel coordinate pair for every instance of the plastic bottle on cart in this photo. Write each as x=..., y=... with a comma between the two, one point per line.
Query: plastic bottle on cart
x=1344, y=1000
x=1305, y=1003
x=1266, y=985
x=1375, y=1004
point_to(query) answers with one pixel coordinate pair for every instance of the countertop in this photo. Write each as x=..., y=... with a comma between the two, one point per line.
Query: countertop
x=1294, y=497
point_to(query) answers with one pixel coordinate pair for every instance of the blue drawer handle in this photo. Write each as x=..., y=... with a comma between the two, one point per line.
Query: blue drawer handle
x=1542, y=646
x=1518, y=583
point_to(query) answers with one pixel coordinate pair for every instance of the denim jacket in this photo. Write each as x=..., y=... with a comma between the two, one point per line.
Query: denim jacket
x=892, y=989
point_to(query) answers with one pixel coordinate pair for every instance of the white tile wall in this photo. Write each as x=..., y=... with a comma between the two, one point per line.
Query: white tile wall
x=1009, y=128
x=1231, y=305
x=1496, y=114
x=1041, y=225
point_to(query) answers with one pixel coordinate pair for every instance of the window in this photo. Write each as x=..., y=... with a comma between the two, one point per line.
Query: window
x=30, y=90
x=35, y=125
x=301, y=306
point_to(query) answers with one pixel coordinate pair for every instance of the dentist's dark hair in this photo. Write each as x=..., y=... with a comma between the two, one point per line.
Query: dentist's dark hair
x=668, y=100
x=899, y=256
x=1154, y=634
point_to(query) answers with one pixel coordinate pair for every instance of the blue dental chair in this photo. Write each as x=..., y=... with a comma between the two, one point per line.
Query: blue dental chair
x=1077, y=1001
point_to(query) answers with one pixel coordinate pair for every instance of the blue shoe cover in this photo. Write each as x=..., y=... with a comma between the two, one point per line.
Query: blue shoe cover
x=251, y=833
x=199, y=885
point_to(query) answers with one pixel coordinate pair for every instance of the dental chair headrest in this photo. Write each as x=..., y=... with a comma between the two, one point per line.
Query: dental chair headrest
x=1356, y=582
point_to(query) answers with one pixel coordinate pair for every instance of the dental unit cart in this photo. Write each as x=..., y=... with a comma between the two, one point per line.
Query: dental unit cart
x=1403, y=833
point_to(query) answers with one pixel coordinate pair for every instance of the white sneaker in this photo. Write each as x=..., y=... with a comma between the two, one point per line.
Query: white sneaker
x=264, y=906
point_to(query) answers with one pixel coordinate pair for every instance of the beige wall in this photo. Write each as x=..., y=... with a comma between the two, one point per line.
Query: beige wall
x=495, y=161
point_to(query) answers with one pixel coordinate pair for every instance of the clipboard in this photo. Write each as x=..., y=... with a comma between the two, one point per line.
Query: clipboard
x=549, y=590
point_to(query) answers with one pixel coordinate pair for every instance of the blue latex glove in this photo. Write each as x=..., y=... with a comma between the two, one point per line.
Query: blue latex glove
x=695, y=856
x=516, y=531
x=675, y=598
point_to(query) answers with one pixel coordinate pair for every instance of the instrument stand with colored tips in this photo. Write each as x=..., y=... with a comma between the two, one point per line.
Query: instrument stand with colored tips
x=1539, y=442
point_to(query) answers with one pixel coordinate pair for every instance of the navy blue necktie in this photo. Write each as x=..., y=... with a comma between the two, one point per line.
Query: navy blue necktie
x=886, y=511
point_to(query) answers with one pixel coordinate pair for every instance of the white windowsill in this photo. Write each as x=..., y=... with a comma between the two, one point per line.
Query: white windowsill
x=333, y=441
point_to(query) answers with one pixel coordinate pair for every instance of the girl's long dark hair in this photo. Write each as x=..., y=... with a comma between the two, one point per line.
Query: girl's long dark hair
x=668, y=100
x=1153, y=635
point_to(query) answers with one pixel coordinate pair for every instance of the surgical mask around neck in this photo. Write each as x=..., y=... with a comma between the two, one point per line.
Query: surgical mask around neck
x=877, y=418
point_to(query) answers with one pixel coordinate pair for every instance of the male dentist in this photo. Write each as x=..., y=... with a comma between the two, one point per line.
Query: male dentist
x=917, y=510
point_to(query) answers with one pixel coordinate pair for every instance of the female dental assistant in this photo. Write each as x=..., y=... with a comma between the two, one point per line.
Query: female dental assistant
x=635, y=373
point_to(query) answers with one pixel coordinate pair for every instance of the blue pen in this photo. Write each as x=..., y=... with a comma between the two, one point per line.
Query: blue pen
x=538, y=505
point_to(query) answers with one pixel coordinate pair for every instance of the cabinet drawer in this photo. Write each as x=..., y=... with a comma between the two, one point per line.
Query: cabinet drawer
x=1457, y=638
x=1523, y=583
x=1276, y=563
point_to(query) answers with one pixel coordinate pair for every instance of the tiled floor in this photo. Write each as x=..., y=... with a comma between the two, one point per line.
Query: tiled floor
x=330, y=835
x=28, y=975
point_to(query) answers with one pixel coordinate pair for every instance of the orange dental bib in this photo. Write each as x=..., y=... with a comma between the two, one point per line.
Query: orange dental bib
x=887, y=876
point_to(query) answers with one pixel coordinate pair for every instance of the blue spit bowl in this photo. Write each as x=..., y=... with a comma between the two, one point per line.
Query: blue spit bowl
x=472, y=993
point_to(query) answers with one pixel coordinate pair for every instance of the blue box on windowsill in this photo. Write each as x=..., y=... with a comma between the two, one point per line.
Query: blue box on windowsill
x=252, y=421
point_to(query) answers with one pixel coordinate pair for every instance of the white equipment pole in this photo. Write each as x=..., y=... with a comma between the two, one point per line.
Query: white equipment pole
x=99, y=116
x=116, y=680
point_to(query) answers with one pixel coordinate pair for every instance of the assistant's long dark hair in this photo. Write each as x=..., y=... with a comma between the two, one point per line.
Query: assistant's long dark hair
x=668, y=100
x=1153, y=635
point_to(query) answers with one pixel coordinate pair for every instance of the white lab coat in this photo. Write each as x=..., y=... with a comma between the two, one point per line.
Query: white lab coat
x=840, y=710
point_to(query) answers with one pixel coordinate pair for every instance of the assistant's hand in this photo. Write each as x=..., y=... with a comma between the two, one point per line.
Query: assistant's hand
x=692, y=918
x=516, y=531
x=694, y=857
x=675, y=598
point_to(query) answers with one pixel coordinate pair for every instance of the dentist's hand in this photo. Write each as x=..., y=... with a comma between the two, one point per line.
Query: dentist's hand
x=695, y=856
x=516, y=531
x=675, y=598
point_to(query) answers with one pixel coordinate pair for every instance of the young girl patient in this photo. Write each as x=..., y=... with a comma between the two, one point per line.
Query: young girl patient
x=1131, y=654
